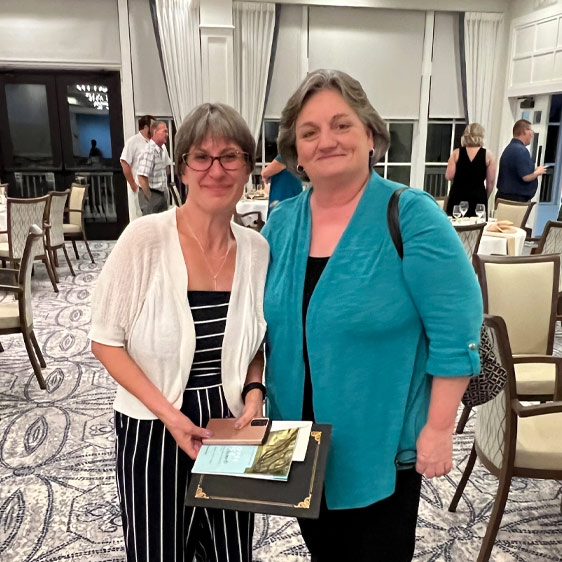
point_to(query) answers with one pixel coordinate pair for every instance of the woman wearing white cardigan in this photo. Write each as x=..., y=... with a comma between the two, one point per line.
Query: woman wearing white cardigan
x=177, y=321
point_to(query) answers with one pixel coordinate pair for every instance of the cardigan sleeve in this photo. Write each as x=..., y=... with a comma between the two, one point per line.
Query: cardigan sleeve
x=121, y=287
x=443, y=285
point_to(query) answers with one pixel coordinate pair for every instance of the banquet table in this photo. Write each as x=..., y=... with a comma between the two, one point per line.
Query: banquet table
x=249, y=205
x=503, y=243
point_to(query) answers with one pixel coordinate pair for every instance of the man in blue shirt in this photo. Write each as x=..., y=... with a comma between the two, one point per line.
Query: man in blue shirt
x=517, y=179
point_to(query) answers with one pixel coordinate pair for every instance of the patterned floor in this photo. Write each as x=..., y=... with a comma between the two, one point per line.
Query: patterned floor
x=57, y=491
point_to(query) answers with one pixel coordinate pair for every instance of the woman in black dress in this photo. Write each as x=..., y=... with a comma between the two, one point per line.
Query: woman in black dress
x=472, y=170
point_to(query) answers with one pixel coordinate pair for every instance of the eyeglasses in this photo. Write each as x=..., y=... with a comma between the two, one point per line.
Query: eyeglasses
x=201, y=162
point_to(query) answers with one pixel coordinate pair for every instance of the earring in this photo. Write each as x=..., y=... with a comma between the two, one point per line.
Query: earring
x=371, y=157
x=300, y=169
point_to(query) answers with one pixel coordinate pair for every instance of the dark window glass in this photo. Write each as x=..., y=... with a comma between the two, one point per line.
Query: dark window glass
x=400, y=142
x=28, y=118
x=459, y=130
x=555, y=109
x=434, y=181
x=551, y=142
x=400, y=174
x=438, y=145
x=259, y=148
x=271, y=132
x=379, y=170
x=88, y=105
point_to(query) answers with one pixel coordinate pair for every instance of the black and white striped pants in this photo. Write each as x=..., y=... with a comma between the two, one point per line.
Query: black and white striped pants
x=152, y=478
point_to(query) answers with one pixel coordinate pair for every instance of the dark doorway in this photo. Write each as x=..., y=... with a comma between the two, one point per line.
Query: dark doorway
x=60, y=127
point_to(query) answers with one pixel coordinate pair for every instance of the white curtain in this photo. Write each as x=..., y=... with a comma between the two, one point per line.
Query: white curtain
x=481, y=44
x=253, y=36
x=178, y=27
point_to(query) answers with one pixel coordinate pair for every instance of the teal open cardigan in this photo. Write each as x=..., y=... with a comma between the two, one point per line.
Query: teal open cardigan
x=378, y=328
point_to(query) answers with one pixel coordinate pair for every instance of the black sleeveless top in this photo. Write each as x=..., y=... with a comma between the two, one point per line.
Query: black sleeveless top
x=468, y=183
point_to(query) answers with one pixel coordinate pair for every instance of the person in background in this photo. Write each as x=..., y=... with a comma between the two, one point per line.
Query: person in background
x=153, y=171
x=177, y=321
x=379, y=347
x=284, y=185
x=95, y=154
x=517, y=178
x=472, y=169
x=132, y=150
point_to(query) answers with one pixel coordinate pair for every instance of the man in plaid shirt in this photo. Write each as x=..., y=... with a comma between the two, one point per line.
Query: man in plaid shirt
x=152, y=172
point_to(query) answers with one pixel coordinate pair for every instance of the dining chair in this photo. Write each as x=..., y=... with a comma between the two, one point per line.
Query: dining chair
x=17, y=316
x=257, y=224
x=470, y=235
x=523, y=290
x=74, y=229
x=21, y=214
x=54, y=233
x=512, y=440
x=514, y=211
x=442, y=201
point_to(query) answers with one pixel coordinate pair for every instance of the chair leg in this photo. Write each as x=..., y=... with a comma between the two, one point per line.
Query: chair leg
x=54, y=264
x=495, y=518
x=88, y=247
x=465, y=476
x=75, y=249
x=55, y=259
x=51, y=274
x=37, y=349
x=33, y=359
x=68, y=261
x=463, y=419
x=2, y=349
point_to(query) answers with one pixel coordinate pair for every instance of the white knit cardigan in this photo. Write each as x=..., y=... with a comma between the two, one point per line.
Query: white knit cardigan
x=140, y=303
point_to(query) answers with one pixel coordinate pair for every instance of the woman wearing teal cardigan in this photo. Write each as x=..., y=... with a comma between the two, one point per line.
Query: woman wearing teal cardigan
x=378, y=346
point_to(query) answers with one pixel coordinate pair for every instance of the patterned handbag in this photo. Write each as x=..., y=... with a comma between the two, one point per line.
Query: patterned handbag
x=493, y=377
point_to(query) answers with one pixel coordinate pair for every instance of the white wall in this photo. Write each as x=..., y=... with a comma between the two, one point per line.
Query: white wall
x=521, y=8
x=62, y=34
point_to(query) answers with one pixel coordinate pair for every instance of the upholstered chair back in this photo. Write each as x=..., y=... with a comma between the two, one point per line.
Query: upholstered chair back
x=75, y=202
x=551, y=242
x=33, y=248
x=524, y=292
x=513, y=211
x=470, y=237
x=57, y=203
x=22, y=213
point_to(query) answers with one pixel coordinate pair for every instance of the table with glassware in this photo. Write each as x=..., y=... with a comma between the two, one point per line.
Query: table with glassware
x=251, y=205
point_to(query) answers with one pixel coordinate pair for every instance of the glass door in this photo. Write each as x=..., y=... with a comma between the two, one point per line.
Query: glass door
x=57, y=128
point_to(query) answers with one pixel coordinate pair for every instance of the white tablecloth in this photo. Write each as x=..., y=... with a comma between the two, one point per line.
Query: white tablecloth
x=496, y=245
x=248, y=205
x=3, y=217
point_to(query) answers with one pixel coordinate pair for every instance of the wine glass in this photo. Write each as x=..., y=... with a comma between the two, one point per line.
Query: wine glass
x=480, y=210
x=456, y=211
x=463, y=207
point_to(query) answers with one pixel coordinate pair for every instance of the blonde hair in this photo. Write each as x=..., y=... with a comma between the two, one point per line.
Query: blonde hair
x=473, y=135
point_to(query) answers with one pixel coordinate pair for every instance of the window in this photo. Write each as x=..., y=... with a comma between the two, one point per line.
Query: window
x=551, y=147
x=397, y=163
x=443, y=137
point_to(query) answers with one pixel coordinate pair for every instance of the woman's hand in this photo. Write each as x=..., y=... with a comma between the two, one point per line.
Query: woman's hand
x=187, y=435
x=435, y=451
x=253, y=408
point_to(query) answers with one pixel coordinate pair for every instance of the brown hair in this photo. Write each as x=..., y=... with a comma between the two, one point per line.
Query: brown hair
x=520, y=127
x=354, y=95
x=217, y=120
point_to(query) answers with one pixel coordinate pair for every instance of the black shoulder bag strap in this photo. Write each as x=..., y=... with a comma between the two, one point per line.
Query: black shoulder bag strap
x=393, y=221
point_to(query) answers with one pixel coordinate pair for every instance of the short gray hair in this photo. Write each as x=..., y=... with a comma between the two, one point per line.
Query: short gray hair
x=473, y=135
x=216, y=120
x=155, y=124
x=354, y=95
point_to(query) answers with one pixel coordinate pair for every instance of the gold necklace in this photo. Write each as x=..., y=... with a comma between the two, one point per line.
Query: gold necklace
x=213, y=274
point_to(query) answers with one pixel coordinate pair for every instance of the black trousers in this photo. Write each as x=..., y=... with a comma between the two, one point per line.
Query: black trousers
x=382, y=532
x=512, y=197
x=152, y=478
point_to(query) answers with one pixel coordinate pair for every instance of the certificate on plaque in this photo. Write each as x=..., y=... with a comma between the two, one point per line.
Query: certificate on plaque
x=299, y=496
